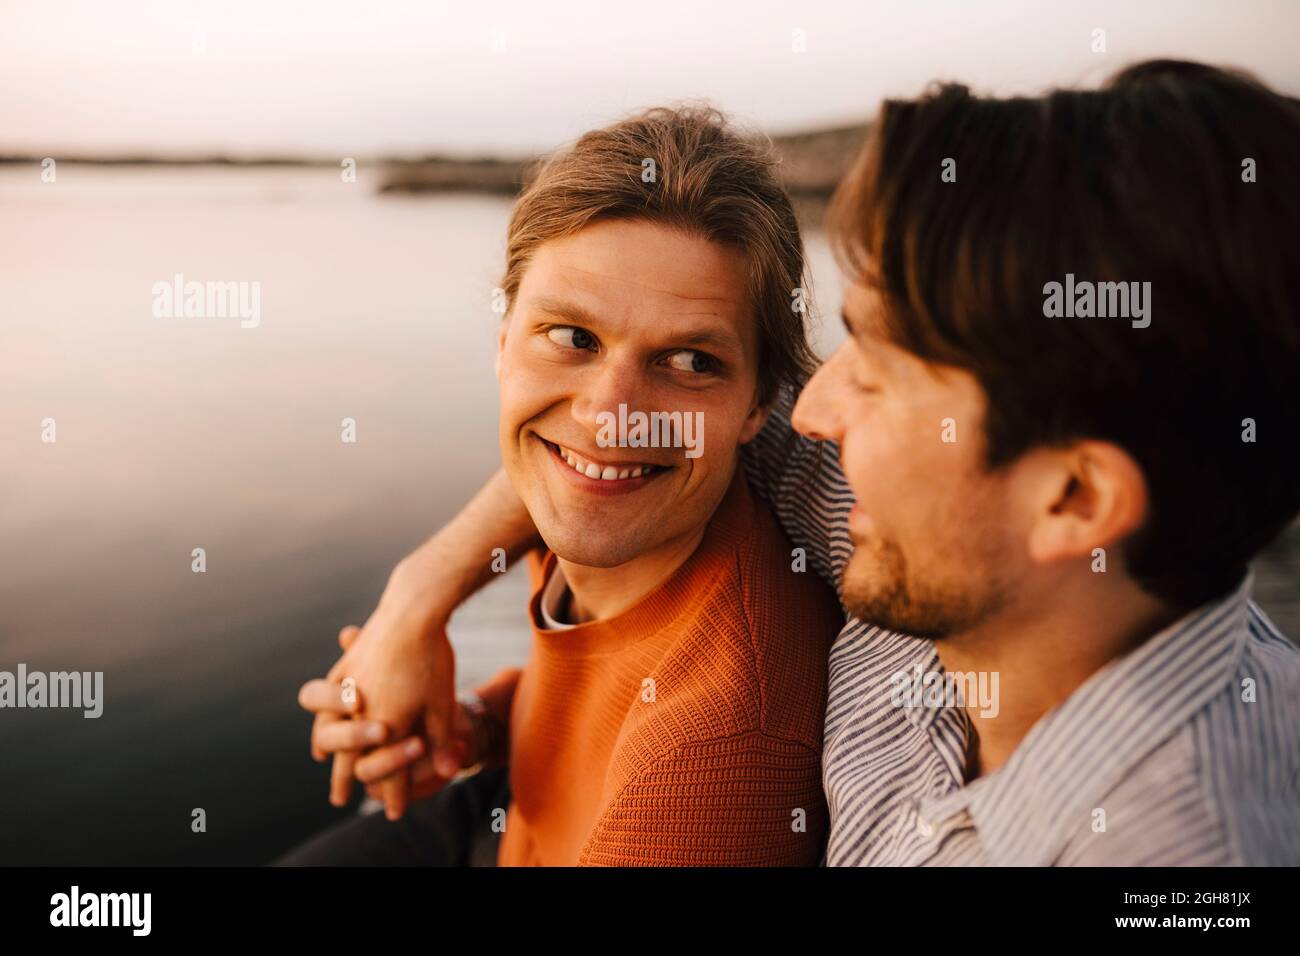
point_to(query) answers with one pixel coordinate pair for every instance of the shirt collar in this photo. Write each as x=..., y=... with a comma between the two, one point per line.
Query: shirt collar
x=1025, y=811
x=553, y=592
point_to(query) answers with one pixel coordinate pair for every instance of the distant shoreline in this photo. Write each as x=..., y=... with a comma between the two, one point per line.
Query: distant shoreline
x=811, y=164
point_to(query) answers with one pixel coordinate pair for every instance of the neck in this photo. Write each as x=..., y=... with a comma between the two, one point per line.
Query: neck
x=602, y=593
x=1041, y=654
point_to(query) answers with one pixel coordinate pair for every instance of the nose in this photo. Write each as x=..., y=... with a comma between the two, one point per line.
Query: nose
x=817, y=413
x=612, y=383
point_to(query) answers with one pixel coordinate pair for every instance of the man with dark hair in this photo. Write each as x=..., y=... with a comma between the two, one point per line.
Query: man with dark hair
x=1063, y=502
x=1064, y=426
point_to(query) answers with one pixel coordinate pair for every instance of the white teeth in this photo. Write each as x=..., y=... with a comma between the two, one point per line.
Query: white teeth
x=593, y=470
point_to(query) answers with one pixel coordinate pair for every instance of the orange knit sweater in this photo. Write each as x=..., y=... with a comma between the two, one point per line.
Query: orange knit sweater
x=685, y=731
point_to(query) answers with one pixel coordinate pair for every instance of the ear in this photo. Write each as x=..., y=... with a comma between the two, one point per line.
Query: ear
x=1092, y=494
x=754, y=421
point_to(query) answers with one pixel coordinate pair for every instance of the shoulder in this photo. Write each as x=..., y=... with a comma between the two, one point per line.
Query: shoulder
x=749, y=659
x=757, y=644
x=1248, y=747
x=745, y=799
x=776, y=592
x=1271, y=655
x=1224, y=789
x=1160, y=814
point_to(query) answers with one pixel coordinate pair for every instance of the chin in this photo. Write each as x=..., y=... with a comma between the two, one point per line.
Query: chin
x=874, y=589
x=877, y=589
x=868, y=601
x=595, y=550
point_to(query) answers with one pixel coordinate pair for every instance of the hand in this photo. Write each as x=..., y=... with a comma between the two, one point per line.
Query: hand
x=403, y=677
x=425, y=780
x=338, y=728
x=401, y=659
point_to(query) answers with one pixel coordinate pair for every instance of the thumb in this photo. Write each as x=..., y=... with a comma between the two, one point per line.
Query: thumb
x=439, y=725
x=348, y=636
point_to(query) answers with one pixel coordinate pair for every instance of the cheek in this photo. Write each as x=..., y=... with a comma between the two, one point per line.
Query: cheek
x=523, y=384
x=872, y=455
x=721, y=424
x=899, y=465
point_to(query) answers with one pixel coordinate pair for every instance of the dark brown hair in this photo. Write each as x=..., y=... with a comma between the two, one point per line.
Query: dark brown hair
x=708, y=180
x=1142, y=180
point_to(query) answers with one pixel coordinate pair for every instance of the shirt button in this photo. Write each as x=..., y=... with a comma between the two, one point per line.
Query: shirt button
x=924, y=827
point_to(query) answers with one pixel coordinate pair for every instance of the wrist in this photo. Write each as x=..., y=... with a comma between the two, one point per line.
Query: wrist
x=423, y=588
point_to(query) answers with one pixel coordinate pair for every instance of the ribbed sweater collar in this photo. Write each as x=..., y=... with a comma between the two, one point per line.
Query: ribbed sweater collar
x=732, y=523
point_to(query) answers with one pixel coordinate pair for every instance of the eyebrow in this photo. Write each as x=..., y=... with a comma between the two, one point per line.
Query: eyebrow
x=710, y=338
x=722, y=340
x=875, y=356
x=565, y=310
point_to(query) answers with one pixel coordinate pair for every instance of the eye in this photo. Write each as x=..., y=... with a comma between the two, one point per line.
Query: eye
x=862, y=384
x=862, y=378
x=689, y=360
x=571, y=337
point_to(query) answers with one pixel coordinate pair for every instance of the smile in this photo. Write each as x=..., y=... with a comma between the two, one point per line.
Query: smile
x=602, y=471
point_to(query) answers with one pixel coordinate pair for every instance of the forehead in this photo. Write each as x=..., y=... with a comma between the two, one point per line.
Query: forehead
x=864, y=314
x=642, y=267
x=864, y=318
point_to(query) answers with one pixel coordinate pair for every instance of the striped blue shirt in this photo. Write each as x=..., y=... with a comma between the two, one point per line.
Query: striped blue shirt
x=1185, y=751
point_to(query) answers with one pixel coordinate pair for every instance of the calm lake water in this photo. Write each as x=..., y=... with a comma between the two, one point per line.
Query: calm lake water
x=183, y=433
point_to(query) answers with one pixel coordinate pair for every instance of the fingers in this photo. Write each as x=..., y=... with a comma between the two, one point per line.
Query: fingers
x=324, y=695
x=327, y=699
x=330, y=697
x=339, y=669
x=348, y=636
x=393, y=791
x=374, y=766
x=341, y=778
x=423, y=772
x=425, y=781
x=338, y=734
x=320, y=723
x=439, y=725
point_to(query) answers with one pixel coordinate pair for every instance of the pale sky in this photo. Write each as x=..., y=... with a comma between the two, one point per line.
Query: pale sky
x=332, y=78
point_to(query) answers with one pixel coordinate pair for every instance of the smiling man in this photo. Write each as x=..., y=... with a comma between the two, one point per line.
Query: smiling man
x=671, y=711
x=602, y=318
x=675, y=651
